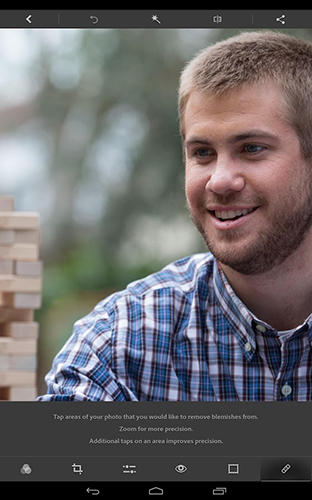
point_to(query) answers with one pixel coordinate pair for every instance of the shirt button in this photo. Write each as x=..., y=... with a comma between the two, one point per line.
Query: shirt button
x=286, y=390
x=248, y=347
x=261, y=328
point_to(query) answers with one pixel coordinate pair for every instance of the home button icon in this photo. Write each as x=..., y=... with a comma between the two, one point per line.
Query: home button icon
x=155, y=491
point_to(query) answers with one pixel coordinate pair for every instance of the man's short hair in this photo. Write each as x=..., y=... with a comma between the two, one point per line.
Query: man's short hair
x=256, y=57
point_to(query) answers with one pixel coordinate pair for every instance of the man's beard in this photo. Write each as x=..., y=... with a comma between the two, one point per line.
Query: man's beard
x=286, y=230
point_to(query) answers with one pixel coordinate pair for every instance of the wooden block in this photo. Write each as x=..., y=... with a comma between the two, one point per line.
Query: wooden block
x=7, y=267
x=7, y=236
x=18, y=363
x=14, y=378
x=25, y=268
x=4, y=393
x=21, y=300
x=20, y=330
x=19, y=220
x=6, y=203
x=19, y=251
x=27, y=236
x=8, y=314
x=11, y=283
x=18, y=393
x=23, y=363
x=12, y=346
x=4, y=362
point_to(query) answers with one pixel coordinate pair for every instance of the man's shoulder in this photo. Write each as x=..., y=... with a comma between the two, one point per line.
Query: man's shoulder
x=174, y=282
x=181, y=274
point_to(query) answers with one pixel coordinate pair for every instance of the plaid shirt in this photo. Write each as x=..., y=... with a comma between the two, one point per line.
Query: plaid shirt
x=181, y=334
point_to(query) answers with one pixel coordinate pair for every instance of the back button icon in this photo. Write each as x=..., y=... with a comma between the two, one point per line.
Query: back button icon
x=92, y=491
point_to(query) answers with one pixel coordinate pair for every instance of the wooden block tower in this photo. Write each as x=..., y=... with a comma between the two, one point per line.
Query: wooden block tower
x=20, y=294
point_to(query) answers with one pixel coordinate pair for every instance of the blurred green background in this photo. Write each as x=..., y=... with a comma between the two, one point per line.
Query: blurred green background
x=89, y=138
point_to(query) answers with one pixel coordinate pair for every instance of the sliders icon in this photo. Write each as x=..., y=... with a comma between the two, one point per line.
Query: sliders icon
x=129, y=469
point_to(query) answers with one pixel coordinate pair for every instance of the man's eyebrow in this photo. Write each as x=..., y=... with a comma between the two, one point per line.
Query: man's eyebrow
x=233, y=138
x=251, y=133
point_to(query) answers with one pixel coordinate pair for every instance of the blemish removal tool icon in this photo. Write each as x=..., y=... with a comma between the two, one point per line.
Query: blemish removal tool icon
x=285, y=468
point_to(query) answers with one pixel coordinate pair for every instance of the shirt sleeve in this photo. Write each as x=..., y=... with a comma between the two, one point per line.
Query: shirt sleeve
x=82, y=370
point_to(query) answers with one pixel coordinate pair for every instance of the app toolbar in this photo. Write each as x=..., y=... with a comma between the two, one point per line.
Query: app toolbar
x=161, y=19
x=99, y=468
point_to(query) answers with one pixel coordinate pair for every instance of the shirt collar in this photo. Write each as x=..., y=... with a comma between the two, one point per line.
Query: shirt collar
x=245, y=324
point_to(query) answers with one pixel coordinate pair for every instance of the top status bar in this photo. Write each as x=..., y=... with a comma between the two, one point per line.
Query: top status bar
x=156, y=19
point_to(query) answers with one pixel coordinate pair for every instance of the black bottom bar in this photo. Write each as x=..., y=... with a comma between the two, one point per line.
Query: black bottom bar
x=157, y=490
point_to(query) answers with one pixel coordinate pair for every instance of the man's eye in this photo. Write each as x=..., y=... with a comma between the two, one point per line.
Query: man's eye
x=253, y=148
x=203, y=152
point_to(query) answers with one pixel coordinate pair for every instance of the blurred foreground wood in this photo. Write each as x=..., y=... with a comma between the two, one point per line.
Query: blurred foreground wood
x=20, y=294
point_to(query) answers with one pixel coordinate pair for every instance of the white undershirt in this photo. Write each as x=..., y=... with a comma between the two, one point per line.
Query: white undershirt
x=284, y=334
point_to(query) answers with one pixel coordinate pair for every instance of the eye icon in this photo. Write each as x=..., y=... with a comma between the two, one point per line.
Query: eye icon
x=180, y=468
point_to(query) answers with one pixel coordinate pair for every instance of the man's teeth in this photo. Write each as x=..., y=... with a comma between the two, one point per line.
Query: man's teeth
x=230, y=214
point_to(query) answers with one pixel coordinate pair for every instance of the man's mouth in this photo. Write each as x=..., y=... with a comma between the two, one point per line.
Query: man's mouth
x=223, y=215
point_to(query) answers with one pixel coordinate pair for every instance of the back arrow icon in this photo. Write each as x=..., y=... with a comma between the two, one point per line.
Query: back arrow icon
x=28, y=19
x=93, y=491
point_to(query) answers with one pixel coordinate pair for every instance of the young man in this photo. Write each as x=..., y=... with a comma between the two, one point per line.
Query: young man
x=234, y=323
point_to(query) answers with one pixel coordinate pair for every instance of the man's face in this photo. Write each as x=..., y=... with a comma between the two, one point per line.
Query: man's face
x=241, y=155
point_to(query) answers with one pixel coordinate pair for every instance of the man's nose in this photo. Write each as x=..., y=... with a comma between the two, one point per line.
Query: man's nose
x=225, y=177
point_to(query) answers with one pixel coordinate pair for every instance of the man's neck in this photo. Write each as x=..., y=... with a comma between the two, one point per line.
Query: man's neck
x=281, y=297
